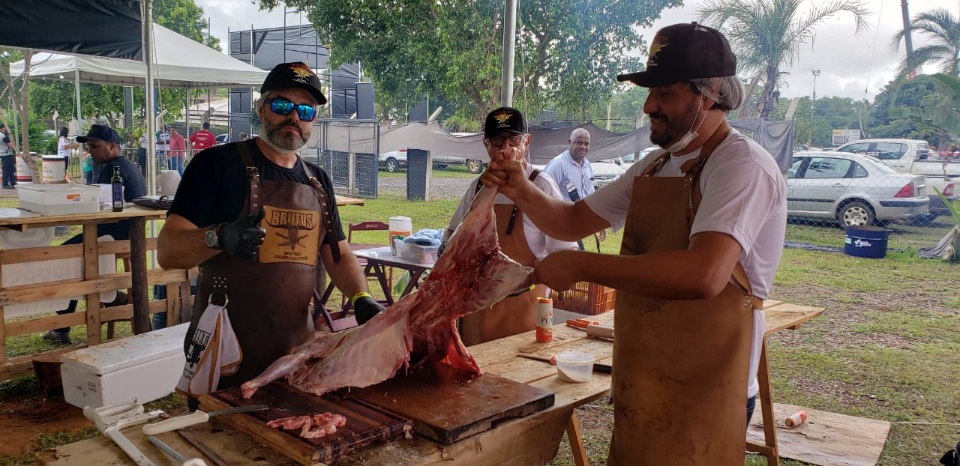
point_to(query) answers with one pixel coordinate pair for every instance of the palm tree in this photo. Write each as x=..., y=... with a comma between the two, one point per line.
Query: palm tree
x=766, y=35
x=942, y=31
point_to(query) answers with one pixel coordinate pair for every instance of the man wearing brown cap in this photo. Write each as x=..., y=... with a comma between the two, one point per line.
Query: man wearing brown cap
x=704, y=226
x=256, y=217
x=505, y=137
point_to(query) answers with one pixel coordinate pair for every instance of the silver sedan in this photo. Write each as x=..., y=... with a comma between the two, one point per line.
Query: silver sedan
x=853, y=190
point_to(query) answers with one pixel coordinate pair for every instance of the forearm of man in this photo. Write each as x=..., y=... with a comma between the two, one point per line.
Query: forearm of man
x=347, y=274
x=561, y=219
x=181, y=245
x=698, y=272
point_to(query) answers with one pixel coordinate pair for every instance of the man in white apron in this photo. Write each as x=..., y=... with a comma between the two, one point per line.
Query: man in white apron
x=704, y=227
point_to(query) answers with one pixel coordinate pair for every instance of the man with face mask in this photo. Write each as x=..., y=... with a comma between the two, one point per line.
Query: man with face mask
x=256, y=218
x=704, y=228
x=505, y=137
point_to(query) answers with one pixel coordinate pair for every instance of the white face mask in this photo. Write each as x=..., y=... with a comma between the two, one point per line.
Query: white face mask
x=692, y=134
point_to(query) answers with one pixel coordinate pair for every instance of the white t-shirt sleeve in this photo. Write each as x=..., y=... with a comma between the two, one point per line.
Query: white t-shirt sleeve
x=540, y=244
x=738, y=195
x=612, y=201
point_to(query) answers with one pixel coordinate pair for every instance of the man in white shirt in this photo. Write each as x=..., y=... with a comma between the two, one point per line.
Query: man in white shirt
x=506, y=137
x=573, y=172
x=704, y=227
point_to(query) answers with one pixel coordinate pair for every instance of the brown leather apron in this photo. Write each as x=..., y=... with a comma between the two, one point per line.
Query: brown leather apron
x=268, y=297
x=515, y=314
x=679, y=387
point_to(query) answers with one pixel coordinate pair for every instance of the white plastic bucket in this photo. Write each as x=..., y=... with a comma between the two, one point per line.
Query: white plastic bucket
x=169, y=181
x=399, y=227
x=54, y=169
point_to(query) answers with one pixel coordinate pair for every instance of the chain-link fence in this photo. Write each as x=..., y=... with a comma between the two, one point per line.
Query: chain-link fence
x=347, y=150
x=877, y=196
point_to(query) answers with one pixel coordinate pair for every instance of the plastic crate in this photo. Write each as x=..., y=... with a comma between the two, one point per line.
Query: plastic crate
x=585, y=298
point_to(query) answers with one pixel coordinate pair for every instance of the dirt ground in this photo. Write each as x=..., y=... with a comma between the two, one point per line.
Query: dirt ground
x=26, y=420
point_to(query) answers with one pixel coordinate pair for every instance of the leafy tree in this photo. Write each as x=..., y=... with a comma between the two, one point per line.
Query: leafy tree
x=568, y=52
x=942, y=32
x=766, y=35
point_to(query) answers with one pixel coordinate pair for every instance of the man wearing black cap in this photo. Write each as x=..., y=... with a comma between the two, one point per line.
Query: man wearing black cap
x=103, y=143
x=506, y=138
x=256, y=217
x=704, y=227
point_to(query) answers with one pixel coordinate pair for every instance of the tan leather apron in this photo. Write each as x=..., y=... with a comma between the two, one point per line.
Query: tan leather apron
x=680, y=382
x=268, y=297
x=515, y=314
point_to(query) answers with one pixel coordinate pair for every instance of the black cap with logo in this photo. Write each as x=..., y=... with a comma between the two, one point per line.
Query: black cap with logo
x=504, y=119
x=100, y=133
x=682, y=52
x=294, y=75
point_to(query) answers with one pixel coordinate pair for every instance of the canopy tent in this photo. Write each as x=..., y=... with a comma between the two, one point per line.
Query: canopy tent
x=179, y=62
x=110, y=28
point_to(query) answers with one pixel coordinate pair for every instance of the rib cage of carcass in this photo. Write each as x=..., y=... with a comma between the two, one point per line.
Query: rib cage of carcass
x=472, y=274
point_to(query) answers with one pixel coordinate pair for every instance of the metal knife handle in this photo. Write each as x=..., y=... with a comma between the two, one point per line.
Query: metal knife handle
x=174, y=423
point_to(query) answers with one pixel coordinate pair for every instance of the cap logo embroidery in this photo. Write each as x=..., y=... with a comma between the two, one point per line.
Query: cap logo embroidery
x=503, y=117
x=301, y=72
x=659, y=43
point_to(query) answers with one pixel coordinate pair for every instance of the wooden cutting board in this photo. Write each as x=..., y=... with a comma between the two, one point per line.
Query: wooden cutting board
x=365, y=424
x=447, y=405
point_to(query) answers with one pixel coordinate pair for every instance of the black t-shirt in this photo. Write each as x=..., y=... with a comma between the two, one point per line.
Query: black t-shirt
x=215, y=185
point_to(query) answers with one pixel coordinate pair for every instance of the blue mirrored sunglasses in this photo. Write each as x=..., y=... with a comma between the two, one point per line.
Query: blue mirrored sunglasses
x=282, y=106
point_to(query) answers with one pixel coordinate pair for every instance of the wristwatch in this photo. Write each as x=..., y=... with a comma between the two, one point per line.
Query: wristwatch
x=211, y=238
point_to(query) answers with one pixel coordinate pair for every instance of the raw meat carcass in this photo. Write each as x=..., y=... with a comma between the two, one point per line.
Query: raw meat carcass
x=316, y=426
x=472, y=274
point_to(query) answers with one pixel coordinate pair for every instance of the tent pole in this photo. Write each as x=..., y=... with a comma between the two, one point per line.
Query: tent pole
x=76, y=85
x=151, y=168
x=186, y=132
x=509, y=43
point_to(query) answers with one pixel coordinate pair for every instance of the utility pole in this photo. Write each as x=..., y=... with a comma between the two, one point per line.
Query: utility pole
x=907, y=40
x=813, y=106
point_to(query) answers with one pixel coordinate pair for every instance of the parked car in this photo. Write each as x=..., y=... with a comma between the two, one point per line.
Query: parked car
x=605, y=171
x=223, y=138
x=914, y=156
x=853, y=190
x=395, y=160
x=629, y=159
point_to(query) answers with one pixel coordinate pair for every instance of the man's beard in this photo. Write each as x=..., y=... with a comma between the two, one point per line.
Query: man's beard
x=287, y=142
x=675, y=128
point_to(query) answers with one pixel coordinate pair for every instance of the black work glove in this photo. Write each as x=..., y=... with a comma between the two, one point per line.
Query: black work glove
x=243, y=237
x=365, y=308
x=443, y=246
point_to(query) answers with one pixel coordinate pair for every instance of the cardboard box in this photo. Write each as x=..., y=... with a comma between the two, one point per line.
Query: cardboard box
x=146, y=367
x=59, y=199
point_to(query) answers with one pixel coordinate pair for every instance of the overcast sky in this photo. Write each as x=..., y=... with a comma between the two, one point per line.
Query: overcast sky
x=850, y=66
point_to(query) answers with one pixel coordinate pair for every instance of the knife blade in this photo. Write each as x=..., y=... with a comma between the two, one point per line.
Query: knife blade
x=194, y=440
x=182, y=460
x=196, y=417
x=597, y=367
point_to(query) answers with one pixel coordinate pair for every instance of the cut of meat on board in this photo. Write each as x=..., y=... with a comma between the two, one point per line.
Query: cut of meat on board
x=315, y=426
x=472, y=274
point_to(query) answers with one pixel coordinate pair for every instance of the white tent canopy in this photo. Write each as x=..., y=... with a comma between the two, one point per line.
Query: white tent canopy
x=180, y=62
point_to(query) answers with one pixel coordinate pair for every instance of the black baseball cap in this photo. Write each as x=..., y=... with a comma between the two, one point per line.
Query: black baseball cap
x=100, y=133
x=682, y=52
x=504, y=119
x=294, y=75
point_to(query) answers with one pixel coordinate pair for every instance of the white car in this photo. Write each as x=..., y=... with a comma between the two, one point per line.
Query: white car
x=605, y=171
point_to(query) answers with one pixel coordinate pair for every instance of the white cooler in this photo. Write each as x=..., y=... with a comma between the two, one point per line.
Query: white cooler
x=59, y=199
x=146, y=367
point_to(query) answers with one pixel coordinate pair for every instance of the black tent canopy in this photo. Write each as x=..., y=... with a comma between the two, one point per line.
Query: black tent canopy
x=106, y=28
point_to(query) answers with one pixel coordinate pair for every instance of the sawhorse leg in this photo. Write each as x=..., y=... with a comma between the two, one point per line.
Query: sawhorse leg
x=576, y=441
x=769, y=447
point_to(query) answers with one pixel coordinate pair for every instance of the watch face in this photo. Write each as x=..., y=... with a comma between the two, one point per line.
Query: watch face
x=210, y=238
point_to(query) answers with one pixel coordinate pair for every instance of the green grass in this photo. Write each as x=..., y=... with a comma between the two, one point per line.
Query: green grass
x=887, y=346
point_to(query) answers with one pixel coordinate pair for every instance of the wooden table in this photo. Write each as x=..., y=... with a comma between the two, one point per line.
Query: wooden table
x=779, y=316
x=92, y=283
x=534, y=439
x=347, y=200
